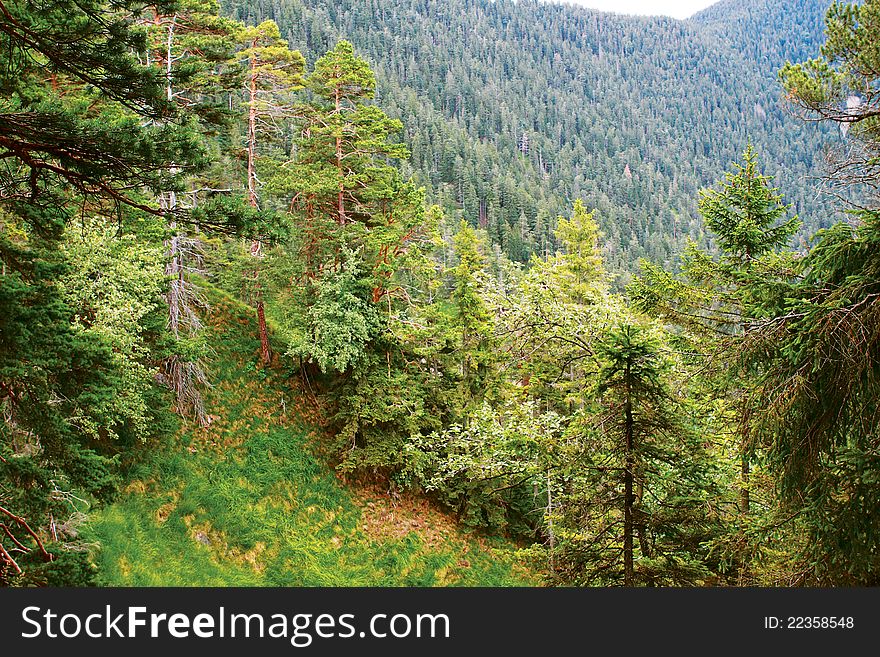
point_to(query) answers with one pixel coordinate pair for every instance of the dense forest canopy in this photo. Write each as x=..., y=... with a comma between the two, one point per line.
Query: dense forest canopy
x=513, y=110
x=560, y=274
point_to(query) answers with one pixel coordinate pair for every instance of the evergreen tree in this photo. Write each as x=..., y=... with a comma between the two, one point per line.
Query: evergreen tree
x=472, y=321
x=273, y=73
x=840, y=87
x=85, y=129
x=350, y=207
x=814, y=354
x=720, y=297
x=746, y=214
x=686, y=94
x=636, y=509
x=188, y=45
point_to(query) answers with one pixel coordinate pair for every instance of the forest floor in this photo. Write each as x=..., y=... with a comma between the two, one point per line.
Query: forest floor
x=247, y=501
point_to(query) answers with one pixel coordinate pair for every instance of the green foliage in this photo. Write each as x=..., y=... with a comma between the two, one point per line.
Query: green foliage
x=339, y=323
x=580, y=270
x=642, y=481
x=552, y=102
x=840, y=87
x=476, y=350
x=85, y=127
x=816, y=365
x=55, y=383
x=341, y=169
x=723, y=293
x=744, y=214
x=472, y=324
x=490, y=469
x=73, y=112
x=273, y=67
x=813, y=352
x=248, y=502
x=273, y=73
x=114, y=285
x=552, y=316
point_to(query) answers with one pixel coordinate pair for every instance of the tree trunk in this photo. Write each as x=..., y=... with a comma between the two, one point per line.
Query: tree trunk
x=256, y=245
x=340, y=199
x=252, y=133
x=745, y=471
x=265, y=352
x=640, y=516
x=628, y=497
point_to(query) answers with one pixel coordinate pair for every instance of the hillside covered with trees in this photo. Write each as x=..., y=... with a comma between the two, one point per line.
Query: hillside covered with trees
x=414, y=293
x=512, y=110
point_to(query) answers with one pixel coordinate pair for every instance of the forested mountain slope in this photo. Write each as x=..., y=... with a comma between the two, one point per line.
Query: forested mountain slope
x=767, y=32
x=225, y=307
x=513, y=109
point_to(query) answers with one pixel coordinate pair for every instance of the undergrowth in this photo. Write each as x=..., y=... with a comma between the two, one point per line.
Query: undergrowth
x=246, y=502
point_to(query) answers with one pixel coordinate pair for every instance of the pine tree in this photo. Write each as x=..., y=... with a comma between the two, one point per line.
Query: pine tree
x=346, y=197
x=840, y=87
x=341, y=168
x=75, y=119
x=273, y=73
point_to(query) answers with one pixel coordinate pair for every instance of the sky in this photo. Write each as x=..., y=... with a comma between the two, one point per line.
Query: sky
x=676, y=8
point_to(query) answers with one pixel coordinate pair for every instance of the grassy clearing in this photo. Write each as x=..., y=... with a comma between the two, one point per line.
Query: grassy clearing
x=245, y=502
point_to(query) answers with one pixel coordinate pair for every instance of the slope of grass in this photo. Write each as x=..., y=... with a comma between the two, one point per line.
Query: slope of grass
x=245, y=502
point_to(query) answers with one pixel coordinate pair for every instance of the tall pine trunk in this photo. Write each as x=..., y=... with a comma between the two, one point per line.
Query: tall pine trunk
x=256, y=245
x=340, y=201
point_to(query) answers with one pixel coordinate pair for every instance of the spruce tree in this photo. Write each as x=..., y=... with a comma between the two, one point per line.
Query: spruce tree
x=472, y=320
x=720, y=296
x=635, y=508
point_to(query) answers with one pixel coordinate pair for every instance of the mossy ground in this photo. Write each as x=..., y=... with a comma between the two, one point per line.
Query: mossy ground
x=246, y=501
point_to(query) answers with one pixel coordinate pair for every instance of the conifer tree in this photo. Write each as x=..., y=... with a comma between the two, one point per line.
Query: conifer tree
x=341, y=170
x=840, y=87
x=187, y=46
x=720, y=297
x=472, y=322
x=273, y=73
x=746, y=215
x=815, y=353
x=349, y=205
x=84, y=130
x=561, y=300
x=636, y=505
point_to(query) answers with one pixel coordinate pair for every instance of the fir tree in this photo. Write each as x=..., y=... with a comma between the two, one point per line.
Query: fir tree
x=636, y=508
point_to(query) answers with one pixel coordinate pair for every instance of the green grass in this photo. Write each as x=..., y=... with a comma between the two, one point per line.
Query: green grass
x=245, y=502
